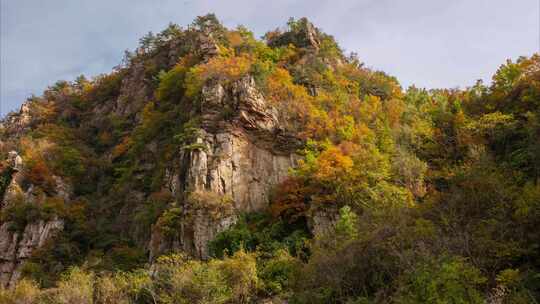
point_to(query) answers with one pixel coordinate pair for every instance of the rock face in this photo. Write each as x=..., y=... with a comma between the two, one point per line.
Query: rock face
x=322, y=221
x=207, y=47
x=15, y=245
x=242, y=156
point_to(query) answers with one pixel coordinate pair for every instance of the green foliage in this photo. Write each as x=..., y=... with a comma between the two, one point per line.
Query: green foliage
x=169, y=222
x=506, y=76
x=171, y=84
x=448, y=281
x=209, y=24
x=5, y=179
x=278, y=274
x=260, y=232
x=106, y=87
x=71, y=162
x=150, y=211
x=346, y=226
x=20, y=213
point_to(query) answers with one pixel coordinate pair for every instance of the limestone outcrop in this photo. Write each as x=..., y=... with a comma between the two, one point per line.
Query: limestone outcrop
x=241, y=157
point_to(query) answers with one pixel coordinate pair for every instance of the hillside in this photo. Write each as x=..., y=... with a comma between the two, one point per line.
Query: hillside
x=214, y=167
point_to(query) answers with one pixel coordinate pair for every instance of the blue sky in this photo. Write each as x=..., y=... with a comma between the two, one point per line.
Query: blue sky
x=429, y=43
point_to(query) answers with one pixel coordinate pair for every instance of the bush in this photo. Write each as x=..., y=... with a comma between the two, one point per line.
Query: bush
x=124, y=288
x=24, y=292
x=278, y=273
x=180, y=280
x=171, y=84
x=5, y=179
x=240, y=273
x=21, y=213
x=76, y=286
x=169, y=222
x=214, y=204
x=225, y=69
x=259, y=231
x=450, y=280
x=112, y=290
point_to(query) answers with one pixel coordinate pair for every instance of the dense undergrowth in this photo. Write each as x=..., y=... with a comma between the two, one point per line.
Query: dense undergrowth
x=438, y=191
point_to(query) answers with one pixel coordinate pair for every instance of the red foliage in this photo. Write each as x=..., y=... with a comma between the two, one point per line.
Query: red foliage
x=291, y=198
x=39, y=174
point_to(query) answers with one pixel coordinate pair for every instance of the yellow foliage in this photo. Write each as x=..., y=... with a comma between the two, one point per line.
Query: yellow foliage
x=24, y=292
x=333, y=164
x=77, y=286
x=235, y=38
x=240, y=272
x=221, y=68
x=292, y=100
x=394, y=110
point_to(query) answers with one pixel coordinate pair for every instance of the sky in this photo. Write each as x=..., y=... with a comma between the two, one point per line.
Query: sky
x=428, y=43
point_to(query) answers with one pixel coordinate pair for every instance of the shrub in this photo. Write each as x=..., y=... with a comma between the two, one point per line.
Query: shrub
x=259, y=231
x=21, y=213
x=149, y=212
x=240, y=273
x=278, y=273
x=450, y=280
x=220, y=68
x=169, y=222
x=76, y=286
x=105, y=87
x=171, y=84
x=216, y=205
x=124, y=288
x=5, y=179
x=39, y=174
x=24, y=292
x=232, y=240
x=180, y=280
x=346, y=226
x=112, y=290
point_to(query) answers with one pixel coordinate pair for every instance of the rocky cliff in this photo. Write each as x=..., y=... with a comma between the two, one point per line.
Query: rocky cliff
x=105, y=148
x=242, y=158
x=17, y=242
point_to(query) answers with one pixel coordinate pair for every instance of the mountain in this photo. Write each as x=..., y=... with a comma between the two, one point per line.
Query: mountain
x=215, y=167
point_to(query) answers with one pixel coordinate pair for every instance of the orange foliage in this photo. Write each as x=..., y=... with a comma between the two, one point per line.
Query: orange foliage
x=291, y=99
x=332, y=165
x=40, y=175
x=317, y=181
x=235, y=38
x=222, y=67
x=122, y=147
x=291, y=199
x=394, y=110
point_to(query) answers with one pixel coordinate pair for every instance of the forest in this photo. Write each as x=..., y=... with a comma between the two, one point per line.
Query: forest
x=428, y=196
